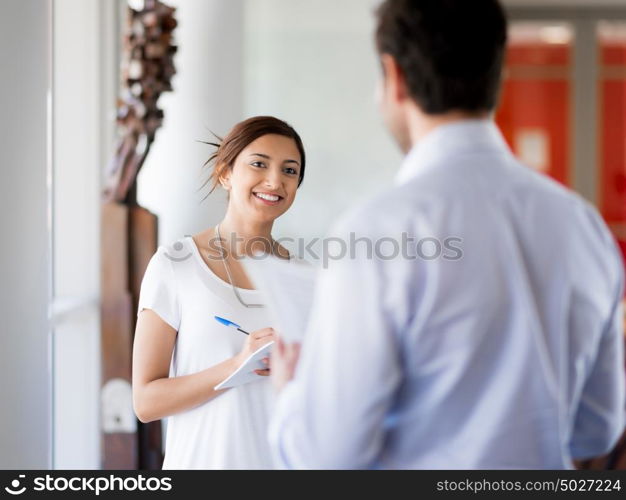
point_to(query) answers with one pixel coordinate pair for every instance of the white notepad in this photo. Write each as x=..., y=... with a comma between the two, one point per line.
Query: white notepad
x=288, y=287
x=245, y=373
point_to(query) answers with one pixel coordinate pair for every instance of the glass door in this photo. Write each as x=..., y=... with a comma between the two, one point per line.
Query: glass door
x=612, y=125
x=563, y=103
x=535, y=113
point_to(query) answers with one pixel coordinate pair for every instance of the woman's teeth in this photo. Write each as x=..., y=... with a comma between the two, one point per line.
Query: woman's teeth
x=268, y=197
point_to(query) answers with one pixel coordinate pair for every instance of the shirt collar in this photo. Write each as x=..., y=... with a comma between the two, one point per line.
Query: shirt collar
x=451, y=139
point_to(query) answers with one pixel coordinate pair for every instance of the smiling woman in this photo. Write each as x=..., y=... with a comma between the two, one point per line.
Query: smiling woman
x=180, y=352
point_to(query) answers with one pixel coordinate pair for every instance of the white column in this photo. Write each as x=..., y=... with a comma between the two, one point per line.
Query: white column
x=85, y=79
x=207, y=96
x=24, y=256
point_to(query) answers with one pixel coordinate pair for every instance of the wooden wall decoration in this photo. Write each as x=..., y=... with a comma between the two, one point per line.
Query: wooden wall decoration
x=129, y=232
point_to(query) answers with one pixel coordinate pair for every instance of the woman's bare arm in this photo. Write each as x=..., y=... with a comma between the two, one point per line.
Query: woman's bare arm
x=155, y=395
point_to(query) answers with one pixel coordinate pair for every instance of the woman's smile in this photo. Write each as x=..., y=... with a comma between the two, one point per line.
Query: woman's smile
x=267, y=198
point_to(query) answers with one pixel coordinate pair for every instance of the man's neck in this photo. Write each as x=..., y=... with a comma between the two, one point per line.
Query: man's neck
x=421, y=124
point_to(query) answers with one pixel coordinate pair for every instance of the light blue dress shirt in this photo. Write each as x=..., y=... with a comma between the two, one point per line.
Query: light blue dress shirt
x=510, y=356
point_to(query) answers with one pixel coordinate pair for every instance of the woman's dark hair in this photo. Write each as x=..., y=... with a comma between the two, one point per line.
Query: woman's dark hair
x=240, y=136
x=450, y=51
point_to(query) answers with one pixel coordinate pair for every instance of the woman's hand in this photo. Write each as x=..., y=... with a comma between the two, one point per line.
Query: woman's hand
x=266, y=371
x=255, y=341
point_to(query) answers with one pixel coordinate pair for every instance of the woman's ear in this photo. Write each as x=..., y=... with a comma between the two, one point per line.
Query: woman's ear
x=225, y=179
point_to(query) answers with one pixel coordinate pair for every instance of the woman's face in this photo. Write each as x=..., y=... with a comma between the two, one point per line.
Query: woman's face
x=264, y=178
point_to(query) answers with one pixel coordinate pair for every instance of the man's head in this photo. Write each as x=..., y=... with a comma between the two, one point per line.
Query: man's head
x=439, y=57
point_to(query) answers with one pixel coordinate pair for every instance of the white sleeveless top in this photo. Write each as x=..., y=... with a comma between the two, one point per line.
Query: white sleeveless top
x=229, y=431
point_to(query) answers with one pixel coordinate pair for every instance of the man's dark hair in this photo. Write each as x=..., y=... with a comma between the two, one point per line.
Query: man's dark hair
x=450, y=51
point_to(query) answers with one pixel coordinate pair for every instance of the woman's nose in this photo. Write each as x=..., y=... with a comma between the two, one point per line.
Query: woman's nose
x=272, y=178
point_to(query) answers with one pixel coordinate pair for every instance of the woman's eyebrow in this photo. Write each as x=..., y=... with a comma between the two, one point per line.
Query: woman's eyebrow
x=267, y=157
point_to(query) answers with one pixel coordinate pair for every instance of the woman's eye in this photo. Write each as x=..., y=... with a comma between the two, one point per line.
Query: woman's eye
x=259, y=164
x=291, y=171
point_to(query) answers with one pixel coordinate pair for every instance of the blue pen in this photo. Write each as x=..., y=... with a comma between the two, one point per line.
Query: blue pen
x=226, y=322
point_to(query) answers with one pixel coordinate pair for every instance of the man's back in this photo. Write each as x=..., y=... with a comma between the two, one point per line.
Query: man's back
x=512, y=329
x=496, y=345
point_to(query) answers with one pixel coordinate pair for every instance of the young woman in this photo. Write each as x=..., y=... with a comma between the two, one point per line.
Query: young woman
x=180, y=351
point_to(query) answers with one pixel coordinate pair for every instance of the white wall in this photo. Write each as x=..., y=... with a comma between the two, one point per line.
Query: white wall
x=314, y=64
x=24, y=264
x=207, y=96
x=85, y=86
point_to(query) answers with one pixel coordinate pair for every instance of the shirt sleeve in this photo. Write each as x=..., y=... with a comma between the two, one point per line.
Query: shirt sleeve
x=331, y=415
x=159, y=290
x=601, y=414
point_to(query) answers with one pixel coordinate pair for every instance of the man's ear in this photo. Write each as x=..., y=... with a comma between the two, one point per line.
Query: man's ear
x=394, y=79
